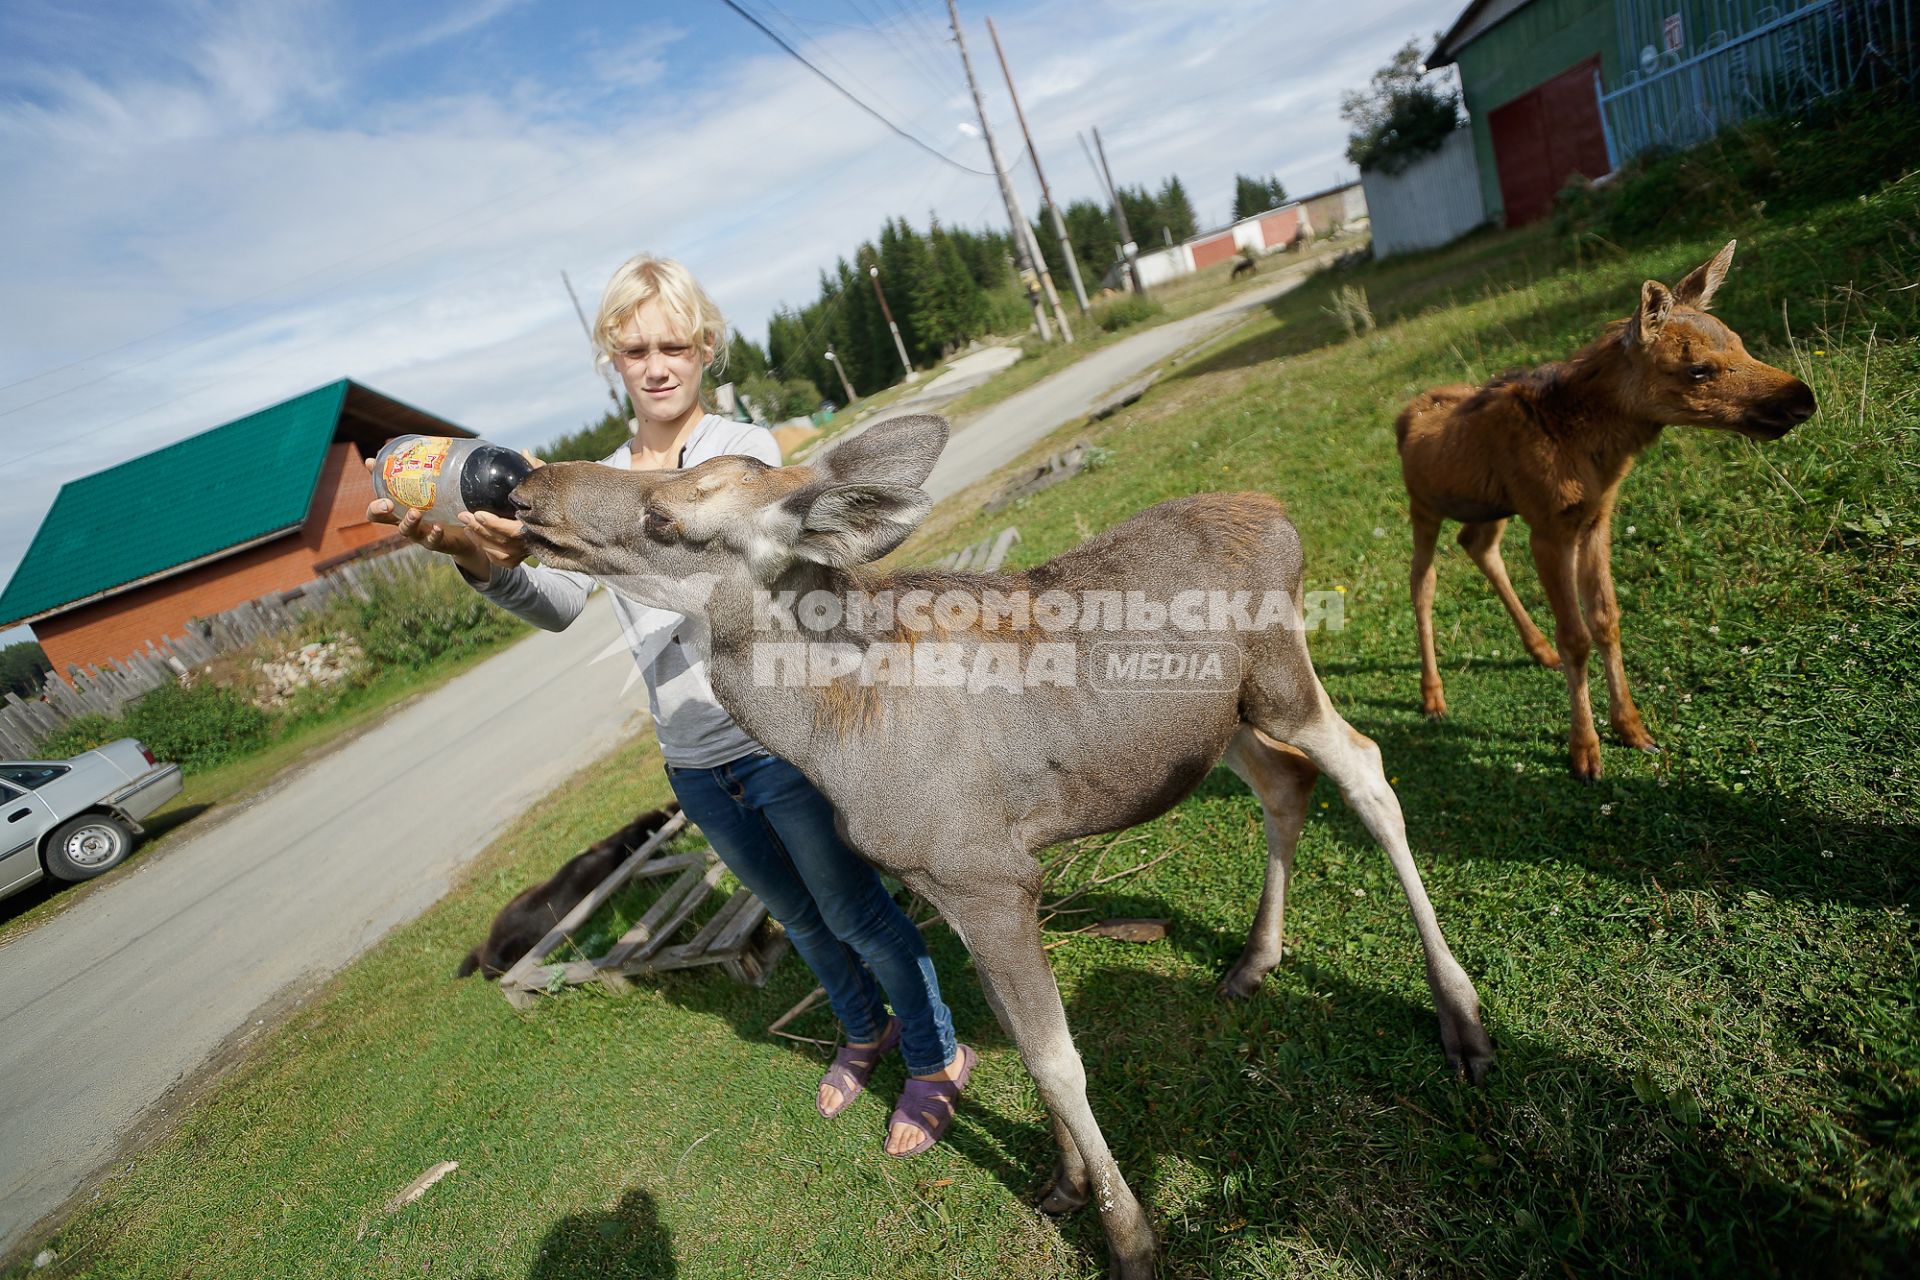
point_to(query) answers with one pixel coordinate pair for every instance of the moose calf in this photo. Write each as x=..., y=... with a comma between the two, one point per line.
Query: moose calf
x=1048, y=735
x=1552, y=446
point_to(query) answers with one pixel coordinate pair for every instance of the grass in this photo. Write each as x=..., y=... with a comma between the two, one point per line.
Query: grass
x=1700, y=972
x=211, y=791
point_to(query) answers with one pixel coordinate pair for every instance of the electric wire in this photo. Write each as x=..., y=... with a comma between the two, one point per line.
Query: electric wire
x=849, y=95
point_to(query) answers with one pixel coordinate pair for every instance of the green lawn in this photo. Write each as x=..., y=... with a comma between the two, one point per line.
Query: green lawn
x=1700, y=972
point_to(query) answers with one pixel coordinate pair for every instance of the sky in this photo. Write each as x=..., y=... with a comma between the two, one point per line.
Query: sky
x=214, y=205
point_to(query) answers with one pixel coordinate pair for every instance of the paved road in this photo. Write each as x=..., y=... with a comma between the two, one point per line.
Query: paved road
x=130, y=990
x=1018, y=422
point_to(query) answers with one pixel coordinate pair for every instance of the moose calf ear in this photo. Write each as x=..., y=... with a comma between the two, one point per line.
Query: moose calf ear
x=844, y=525
x=1703, y=281
x=1656, y=304
x=897, y=451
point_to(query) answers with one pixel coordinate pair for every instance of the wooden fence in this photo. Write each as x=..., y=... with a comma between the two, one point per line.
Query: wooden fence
x=107, y=690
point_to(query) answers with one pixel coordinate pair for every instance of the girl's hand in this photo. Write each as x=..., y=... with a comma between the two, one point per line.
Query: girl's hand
x=500, y=540
x=457, y=543
x=476, y=545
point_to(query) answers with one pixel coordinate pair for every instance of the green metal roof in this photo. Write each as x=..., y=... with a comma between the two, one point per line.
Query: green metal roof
x=238, y=483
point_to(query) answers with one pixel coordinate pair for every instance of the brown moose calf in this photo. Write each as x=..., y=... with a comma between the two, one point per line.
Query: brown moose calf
x=1552, y=445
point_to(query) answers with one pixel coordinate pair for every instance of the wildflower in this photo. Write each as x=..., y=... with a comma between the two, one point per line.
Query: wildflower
x=1606, y=811
x=1629, y=528
x=1819, y=351
x=1341, y=588
x=1714, y=629
x=1323, y=804
x=1378, y=532
x=1359, y=893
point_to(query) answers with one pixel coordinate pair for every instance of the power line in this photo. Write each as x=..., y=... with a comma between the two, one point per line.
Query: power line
x=799, y=35
x=846, y=93
x=892, y=33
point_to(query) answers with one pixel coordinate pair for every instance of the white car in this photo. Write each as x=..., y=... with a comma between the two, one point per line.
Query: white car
x=74, y=819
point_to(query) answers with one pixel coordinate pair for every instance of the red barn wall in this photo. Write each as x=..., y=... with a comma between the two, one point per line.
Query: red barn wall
x=120, y=625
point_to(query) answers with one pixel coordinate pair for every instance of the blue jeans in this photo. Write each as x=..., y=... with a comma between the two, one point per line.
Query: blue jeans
x=775, y=831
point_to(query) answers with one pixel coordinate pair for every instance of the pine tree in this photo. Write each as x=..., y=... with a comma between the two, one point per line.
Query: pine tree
x=1143, y=217
x=1176, y=210
x=744, y=359
x=948, y=307
x=1096, y=241
x=1252, y=196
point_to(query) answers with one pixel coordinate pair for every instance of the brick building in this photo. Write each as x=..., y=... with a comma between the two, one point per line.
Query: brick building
x=265, y=503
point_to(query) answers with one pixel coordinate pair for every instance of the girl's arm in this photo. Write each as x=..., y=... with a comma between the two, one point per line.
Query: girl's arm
x=548, y=598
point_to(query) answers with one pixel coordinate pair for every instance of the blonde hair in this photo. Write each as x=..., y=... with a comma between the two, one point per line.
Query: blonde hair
x=644, y=278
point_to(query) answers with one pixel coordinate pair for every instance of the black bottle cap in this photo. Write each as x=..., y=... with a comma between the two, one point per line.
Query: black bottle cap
x=489, y=477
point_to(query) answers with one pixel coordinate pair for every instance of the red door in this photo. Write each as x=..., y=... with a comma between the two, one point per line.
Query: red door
x=1544, y=137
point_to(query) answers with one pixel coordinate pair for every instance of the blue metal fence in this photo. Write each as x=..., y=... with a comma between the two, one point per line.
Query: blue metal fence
x=1697, y=66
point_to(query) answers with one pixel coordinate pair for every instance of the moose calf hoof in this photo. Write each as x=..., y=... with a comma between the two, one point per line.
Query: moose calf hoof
x=1585, y=761
x=1632, y=732
x=1062, y=1197
x=1469, y=1052
x=1240, y=983
x=1433, y=705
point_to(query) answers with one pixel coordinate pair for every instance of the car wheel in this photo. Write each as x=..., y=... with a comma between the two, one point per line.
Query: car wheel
x=87, y=846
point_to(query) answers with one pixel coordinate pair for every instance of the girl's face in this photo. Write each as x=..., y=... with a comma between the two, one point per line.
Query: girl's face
x=660, y=365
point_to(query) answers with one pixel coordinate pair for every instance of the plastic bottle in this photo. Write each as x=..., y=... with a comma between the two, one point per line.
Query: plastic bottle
x=440, y=476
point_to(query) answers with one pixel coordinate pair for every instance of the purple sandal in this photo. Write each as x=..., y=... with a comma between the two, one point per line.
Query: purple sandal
x=928, y=1105
x=852, y=1067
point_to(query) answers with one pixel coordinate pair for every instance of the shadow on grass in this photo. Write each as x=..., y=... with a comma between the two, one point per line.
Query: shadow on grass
x=1685, y=834
x=627, y=1242
x=47, y=888
x=1322, y=1111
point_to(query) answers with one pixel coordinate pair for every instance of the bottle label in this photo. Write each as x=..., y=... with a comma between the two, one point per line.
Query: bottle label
x=412, y=474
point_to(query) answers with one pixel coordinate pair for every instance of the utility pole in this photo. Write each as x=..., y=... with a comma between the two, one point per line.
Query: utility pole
x=873, y=274
x=1022, y=233
x=605, y=368
x=841, y=370
x=1100, y=177
x=1127, y=247
x=1046, y=196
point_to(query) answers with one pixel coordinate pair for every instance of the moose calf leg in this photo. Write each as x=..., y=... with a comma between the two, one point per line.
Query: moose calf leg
x=1068, y=1191
x=1603, y=616
x=1352, y=760
x=1426, y=529
x=1559, y=572
x=1003, y=934
x=1482, y=544
x=1283, y=779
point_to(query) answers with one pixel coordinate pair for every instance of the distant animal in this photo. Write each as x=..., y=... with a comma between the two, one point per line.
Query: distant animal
x=1552, y=445
x=1242, y=266
x=526, y=919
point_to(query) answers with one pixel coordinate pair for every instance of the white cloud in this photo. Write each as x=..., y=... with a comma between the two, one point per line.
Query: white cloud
x=237, y=195
x=459, y=20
